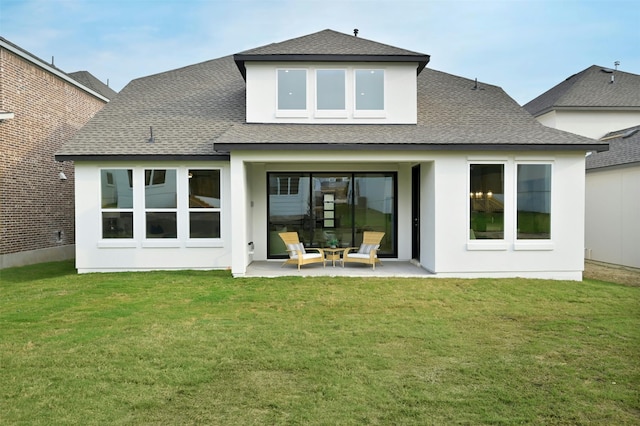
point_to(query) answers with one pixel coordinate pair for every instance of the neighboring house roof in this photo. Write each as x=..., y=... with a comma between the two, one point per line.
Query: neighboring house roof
x=17, y=50
x=89, y=80
x=624, y=149
x=199, y=111
x=595, y=87
x=329, y=45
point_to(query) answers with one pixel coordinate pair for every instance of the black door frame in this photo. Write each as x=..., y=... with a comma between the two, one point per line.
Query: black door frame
x=415, y=212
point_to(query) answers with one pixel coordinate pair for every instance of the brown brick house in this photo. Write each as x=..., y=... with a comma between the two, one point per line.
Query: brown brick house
x=41, y=107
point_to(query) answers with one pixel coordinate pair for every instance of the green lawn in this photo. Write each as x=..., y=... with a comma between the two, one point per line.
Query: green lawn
x=204, y=348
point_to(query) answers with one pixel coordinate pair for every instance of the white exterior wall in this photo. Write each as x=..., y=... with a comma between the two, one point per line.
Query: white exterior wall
x=559, y=258
x=612, y=211
x=400, y=93
x=592, y=124
x=94, y=254
x=446, y=248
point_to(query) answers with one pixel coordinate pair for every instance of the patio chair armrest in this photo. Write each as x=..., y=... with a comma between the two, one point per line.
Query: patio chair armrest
x=349, y=249
x=315, y=248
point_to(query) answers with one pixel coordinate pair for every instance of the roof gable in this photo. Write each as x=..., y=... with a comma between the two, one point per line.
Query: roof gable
x=330, y=46
x=594, y=87
x=89, y=80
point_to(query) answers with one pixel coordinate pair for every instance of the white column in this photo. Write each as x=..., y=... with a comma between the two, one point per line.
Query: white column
x=239, y=243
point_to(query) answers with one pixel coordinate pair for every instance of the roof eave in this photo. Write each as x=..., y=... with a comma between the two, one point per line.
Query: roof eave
x=261, y=146
x=240, y=59
x=220, y=156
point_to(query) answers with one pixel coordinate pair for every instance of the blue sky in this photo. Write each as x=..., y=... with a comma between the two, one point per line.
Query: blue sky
x=524, y=46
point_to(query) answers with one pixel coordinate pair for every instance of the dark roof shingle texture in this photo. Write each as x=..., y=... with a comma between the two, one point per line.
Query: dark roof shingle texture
x=192, y=108
x=624, y=148
x=591, y=87
x=89, y=80
x=329, y=42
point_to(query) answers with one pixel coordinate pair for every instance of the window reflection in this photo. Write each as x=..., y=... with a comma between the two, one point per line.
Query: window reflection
x=328, y=209
x=486, y=200
x=534, y=201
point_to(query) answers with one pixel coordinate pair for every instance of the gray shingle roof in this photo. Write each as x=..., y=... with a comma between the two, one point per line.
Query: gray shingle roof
x=591, y=87
x=624, y=148
x=187, y=108
x=329, y=42
x=89, y=80
x=450, y=113
x=329, y=45
x=192, y=108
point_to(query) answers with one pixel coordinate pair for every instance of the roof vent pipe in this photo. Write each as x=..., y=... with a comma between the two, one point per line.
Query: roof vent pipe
x=615, y=64
x=355, y=32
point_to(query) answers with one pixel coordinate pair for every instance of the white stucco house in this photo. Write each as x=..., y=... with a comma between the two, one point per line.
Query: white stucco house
x=328, y=135
x=604, y=104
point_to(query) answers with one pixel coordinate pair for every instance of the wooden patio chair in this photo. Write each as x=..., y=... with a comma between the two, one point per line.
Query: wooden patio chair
x=297, y=253
x=367, y=253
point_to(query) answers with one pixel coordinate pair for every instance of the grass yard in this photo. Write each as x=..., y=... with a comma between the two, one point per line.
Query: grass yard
x=204, y=348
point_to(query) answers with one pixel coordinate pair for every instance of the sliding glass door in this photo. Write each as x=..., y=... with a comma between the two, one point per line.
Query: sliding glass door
x=332, y=209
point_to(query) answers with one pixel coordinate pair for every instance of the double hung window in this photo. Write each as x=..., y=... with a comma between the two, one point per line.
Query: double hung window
x=116, y=192
x=204, y=203
x=171, y=204
x=161, y=203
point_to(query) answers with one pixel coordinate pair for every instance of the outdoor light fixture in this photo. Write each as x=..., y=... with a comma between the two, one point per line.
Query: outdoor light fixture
x=62, y=176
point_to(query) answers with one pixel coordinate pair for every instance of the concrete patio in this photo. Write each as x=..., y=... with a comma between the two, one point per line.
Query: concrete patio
x=389, y=268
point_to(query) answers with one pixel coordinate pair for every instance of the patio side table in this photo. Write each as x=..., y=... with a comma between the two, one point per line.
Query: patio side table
x=332, y=254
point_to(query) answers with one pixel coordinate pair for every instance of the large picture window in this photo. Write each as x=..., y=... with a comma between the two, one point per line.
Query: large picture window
x=486, y=182
x=332, y=209
x=116, y=191
x=292, y=89
x=534, y=201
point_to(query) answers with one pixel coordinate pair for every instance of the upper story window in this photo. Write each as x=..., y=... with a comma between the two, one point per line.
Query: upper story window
x=331, y=90
x=331, y=93
x=369, y=90
x=292, y=89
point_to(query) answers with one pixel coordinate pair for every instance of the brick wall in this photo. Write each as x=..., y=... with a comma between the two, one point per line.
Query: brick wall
x=36, y=206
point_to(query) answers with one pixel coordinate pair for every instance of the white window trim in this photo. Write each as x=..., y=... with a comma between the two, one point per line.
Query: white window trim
x=205, y=242
x=139, y=211
x=382, y=113
x=116, y=242
x=160, y=242
x=488, y=245
x=312, y=111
